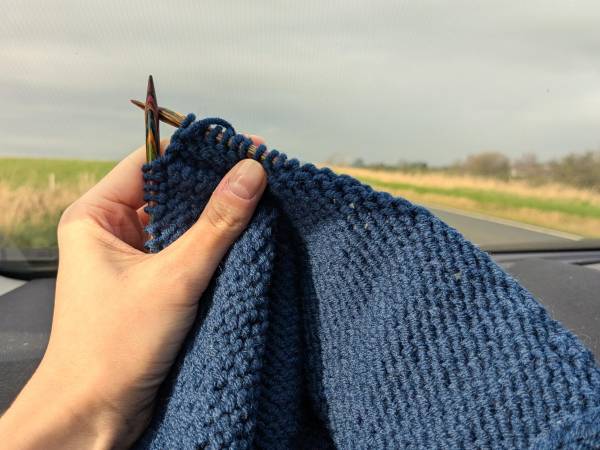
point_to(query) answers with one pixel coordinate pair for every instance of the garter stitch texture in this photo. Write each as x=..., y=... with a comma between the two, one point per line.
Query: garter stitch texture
x=345, y=318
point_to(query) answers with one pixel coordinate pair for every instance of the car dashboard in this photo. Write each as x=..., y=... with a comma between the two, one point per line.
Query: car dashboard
x=565, y=282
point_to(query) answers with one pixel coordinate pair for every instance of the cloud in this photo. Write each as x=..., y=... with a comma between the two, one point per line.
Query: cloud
x=431, y=81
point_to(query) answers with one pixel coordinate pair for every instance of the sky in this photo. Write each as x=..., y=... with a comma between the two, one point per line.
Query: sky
x=430, y=81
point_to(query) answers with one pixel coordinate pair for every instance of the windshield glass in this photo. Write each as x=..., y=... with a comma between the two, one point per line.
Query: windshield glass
x=488, y=116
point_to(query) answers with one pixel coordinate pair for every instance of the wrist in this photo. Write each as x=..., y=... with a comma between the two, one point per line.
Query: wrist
x=52, y=413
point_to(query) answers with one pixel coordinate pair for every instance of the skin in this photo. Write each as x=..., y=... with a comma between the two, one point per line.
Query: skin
x=115, y=335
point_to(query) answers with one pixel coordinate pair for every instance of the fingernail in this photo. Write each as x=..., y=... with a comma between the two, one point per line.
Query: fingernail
x=247, y=179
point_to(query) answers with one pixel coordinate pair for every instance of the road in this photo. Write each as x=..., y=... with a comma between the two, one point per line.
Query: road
x=490, y=231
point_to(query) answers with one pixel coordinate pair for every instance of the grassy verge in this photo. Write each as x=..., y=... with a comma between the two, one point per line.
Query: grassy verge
x=552, y=206
x=34, y=194
x=573, y=207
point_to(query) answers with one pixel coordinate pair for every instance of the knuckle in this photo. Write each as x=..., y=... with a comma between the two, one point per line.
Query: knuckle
x=67, y=215
x=224, y=217
x=73, y=220
x=68, y=218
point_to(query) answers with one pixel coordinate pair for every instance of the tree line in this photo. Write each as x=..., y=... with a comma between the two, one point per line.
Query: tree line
x=577, y=169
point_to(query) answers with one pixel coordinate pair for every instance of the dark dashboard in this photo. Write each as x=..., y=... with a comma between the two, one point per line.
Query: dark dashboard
x=566, y=282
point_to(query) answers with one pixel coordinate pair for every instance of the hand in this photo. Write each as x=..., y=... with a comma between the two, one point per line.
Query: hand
x=121, y=315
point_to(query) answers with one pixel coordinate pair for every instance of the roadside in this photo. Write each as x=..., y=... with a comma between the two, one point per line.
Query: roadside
x=552, y=206
x=35, y=193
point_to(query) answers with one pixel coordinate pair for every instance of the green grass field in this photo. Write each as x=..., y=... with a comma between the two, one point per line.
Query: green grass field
x=36, y=172
x=35, y=192
x=555, y=206
x=581, y=208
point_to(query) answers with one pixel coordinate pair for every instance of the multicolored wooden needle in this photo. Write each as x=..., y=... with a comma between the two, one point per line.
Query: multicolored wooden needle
x=175, y=119
x=152, y=123
x=153, y=114
x=152, y=130
x=164, y=114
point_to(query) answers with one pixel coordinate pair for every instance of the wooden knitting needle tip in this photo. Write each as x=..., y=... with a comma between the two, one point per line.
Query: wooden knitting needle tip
x=175, y=119
x=152, y=123
x=152, y=130
x=165, y=115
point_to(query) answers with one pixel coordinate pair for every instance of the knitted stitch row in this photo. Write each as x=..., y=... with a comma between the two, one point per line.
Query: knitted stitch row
x=346, y=318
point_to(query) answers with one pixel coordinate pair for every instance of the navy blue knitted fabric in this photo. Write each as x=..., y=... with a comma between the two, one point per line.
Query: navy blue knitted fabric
x=346, y=318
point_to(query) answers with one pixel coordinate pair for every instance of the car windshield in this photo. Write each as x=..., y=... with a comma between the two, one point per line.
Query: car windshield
x=486, y=115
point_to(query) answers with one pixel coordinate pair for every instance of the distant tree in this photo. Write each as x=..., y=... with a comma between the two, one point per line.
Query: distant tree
x=527, y=160
x=411, y=166
x=458, y=166
x=358, y=162
x=581, y=170
x=527, y=166
x=492, y=164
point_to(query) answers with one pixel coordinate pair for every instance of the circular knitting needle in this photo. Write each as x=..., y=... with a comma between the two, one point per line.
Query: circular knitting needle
x=175, y=119
x=152, y=130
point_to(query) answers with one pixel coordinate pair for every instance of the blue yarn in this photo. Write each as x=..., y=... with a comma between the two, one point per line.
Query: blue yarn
x=347, y=318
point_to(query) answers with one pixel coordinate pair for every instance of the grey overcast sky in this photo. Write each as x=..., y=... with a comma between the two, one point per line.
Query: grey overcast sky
x=419, y=80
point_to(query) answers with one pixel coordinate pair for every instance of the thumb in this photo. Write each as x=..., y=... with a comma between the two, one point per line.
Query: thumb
x=197, y=253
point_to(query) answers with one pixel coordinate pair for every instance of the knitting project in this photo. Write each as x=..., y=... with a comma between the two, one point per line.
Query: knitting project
x=346, y=318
